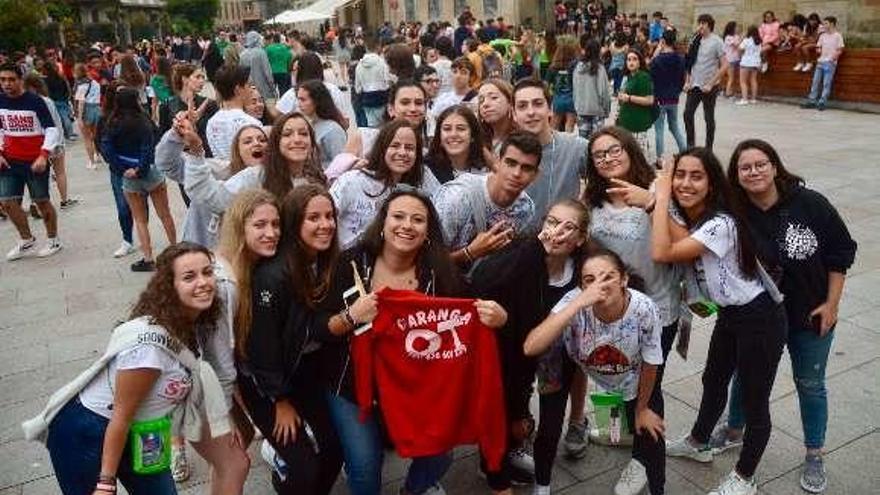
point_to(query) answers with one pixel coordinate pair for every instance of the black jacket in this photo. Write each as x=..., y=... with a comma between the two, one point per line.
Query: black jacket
x=800, y=240
x=170, y=108
x=517, y=279
x=280, y=331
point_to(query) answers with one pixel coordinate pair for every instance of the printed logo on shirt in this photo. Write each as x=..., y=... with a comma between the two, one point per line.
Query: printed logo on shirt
x=427, y=344
x=800, y=242
x=608, y=360
x=176, y=388
x=24, y=122
x=160, y=339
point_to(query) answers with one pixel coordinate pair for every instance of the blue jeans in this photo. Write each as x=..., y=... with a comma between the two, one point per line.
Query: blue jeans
x=75, y=442
x=362, y=450
x=63, y=108
x=824, y=75
x=123, y=213
x=670, y=113
x=809, y=358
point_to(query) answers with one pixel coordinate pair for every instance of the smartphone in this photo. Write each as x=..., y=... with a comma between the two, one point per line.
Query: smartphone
x=815, y=322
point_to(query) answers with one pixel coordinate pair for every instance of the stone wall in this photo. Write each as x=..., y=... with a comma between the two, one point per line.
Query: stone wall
x=857, y=19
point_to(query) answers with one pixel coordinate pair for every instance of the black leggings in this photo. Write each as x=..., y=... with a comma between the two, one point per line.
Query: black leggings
x=309, y=472
x=652, y=454
x=748, y=339
x=694, y=97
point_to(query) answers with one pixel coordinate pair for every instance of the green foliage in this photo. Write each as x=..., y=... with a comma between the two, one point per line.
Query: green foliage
x=192, y=16
x=61, y=10
x=20, y=23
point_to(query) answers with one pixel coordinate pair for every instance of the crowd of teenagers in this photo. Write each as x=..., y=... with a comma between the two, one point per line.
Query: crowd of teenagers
x=427, y=171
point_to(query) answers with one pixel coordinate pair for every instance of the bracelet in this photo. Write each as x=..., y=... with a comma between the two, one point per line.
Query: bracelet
x=107, y=478
x=467, y=254
x=348, y=318
x=104, y=487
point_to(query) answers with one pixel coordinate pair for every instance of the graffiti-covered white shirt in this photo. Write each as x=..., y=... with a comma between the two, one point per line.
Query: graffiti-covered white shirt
x=716, y=273
x=612, y=353
x=358, y=197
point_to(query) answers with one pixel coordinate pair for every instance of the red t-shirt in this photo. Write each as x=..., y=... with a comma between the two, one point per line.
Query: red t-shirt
x=437, y=373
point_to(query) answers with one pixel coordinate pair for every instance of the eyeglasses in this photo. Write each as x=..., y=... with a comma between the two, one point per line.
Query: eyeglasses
x=613, y=151
x=759, y=166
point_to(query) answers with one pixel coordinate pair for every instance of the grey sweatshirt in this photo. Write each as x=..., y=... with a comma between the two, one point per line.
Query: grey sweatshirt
x=563, y=166
x=591, y=95
x=255, y=57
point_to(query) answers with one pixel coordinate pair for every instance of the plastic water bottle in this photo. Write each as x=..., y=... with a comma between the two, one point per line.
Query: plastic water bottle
x=267, y=452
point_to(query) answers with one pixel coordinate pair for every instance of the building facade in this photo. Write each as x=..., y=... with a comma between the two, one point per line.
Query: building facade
x=372, y=13
x=857, y=19
x=242, y=14
x=123, y=21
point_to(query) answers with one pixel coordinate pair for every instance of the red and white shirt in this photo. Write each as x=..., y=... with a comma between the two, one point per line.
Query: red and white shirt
x=437, y=373
x=26, y=128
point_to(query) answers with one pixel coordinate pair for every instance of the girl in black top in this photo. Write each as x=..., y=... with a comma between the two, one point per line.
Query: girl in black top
x=278, y=359
x=528, y=279
x=807, y=249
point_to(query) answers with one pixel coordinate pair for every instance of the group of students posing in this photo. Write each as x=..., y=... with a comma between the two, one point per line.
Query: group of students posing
x=249, y=320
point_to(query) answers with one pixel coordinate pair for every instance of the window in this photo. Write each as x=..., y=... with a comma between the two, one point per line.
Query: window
x=490, y=8
x=409, y=7
x=94, y=16
x=459, y=8
x=434, y=10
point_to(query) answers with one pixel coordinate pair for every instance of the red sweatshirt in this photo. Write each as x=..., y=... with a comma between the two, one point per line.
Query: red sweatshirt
x=437, y=373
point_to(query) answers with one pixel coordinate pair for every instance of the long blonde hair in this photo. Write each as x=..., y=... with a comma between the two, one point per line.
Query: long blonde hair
x=233, y=249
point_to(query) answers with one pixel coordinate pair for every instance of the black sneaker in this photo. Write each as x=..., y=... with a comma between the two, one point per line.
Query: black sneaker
x=69, y=203
x=820, y=106
x=808, y=104
x=143, y=266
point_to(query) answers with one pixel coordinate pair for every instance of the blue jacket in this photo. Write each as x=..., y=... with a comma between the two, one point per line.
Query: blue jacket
x=124, y=149
x=668, y=74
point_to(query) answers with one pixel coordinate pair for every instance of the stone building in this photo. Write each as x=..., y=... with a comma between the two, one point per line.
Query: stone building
x=122, y=21
x=372, y=13
x=857, y=19
x=241, y=14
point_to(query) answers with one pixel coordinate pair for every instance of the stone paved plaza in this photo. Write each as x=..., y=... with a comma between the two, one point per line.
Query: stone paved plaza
x=55, y=315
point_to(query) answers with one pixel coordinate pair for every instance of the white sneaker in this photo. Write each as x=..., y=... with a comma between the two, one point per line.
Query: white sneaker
x=90, y=165
x=734, y=484
x=179, y=465
x=683, y=448
x=741, y=102
x=798, y=67
x=807, y=67
x=541, y=490
x=124, y=250
x=52, y=246
x=764, y=67
x=435, y=490
x=22, y=248
x=632, y=480
x=753, y=102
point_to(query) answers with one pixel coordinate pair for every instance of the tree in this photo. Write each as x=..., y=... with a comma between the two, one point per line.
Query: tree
x=192, y=16
x=21, y=23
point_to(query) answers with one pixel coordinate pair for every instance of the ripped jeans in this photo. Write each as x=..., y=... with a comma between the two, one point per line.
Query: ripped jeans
x=809, y=358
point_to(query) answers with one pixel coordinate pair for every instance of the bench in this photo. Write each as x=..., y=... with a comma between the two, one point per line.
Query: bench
x=857, y=78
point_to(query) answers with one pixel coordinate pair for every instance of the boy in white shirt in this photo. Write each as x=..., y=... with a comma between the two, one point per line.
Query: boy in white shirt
x=234, y=90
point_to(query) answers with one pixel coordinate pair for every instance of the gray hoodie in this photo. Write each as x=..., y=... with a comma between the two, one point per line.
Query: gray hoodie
x=372, y=74
x=254, y=57
x=591, y=95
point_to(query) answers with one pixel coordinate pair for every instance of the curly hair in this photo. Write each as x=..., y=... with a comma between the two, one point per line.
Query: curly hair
x=161, y=304
x=277, y=178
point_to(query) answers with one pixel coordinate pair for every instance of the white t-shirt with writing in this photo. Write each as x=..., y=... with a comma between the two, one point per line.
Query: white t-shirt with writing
x=455, y=202
x=169, y=391
x=612, y=353
x=716, y=273
x=222, y=128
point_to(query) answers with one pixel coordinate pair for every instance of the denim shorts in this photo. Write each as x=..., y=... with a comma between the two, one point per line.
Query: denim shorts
x=91, y=113
x=144, y=185
x=18, y=175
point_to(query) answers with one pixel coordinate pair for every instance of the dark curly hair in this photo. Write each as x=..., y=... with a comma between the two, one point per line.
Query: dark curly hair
x=160, y=303
x=640, y=173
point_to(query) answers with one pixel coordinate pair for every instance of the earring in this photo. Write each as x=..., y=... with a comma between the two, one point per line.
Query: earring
x=382, y=235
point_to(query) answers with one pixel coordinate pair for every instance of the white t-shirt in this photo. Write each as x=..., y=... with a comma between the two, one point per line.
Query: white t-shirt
x=168, y=392
x=627, y=232
x=222, y=128
x=751, y=56
x=716, y=273
x=90, y=92
x=358, y=196
x=612, y=353
x=455, y=200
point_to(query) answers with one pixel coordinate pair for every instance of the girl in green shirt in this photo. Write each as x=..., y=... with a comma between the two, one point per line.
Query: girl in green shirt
x=637, y=100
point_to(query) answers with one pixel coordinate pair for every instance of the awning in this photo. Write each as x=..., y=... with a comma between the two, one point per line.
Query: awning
x=320, y=10
x=297, y=16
